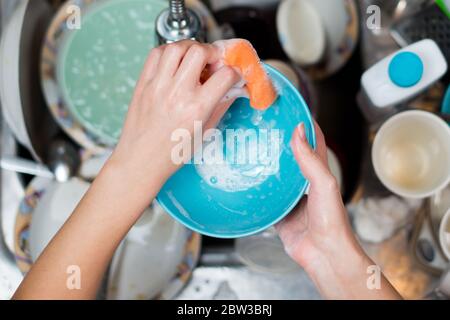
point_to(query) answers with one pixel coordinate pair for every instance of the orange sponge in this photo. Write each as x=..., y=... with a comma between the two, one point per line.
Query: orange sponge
x=240, y=54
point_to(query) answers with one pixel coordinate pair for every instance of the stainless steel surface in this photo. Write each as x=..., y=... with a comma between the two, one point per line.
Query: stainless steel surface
x=221, y=275
x=233, y=283
x=179, y=23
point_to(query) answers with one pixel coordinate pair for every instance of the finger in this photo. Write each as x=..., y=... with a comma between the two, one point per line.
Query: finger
x=195, y=61
x=321, y=145
x=172, y=56
x=218, y=114
x=217, y=86
x=311, y=164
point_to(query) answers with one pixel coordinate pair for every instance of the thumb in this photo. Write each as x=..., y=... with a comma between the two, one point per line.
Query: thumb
x=313, y=167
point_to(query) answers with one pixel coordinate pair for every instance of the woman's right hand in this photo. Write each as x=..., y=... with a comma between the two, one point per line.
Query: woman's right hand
x=169, y=97
x=318, y=234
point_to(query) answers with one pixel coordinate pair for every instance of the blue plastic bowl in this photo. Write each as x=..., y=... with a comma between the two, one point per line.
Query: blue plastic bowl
x=218, y=212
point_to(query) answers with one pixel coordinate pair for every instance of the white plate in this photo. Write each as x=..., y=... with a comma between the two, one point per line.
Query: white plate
x=9, y=76
x=148, y=258
x=53, y=209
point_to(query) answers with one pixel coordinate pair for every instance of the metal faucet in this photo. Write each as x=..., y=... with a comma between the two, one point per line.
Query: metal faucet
x=179, y=23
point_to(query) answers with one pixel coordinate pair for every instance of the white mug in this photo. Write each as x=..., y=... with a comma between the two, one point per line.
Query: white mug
x=411, y=154
x=301, y=31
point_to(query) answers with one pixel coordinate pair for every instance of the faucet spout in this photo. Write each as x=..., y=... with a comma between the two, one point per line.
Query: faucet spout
x=179, y=23
x=178, y=15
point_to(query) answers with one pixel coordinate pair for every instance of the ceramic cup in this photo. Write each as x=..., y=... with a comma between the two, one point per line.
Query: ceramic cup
x=301, y=31
x=411, y=154
x=444, y=234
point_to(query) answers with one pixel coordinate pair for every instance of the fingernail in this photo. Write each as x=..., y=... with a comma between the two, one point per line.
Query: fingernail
x=301, y=131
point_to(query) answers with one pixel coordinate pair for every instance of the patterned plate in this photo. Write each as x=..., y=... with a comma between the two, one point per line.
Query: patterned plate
x=49, y=60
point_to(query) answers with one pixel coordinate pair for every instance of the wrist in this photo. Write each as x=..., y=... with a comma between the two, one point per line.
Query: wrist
x=144, y=180
x=140, y=165
x=339, y=268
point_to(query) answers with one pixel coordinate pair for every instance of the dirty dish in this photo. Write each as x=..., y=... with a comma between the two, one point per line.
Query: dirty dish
x=97, y=66
x=411, y=154
x=150, y=256
x=51, y=212
x=341, y=24
x=23, y=106
x=301, y=31
x=90, y=167
x=232, y=199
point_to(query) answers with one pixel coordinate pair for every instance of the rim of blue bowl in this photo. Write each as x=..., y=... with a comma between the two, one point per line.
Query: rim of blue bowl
x=446, y=103
x=313, y=144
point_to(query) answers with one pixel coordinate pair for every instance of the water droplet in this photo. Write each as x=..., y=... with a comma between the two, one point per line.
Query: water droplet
x=213, y=180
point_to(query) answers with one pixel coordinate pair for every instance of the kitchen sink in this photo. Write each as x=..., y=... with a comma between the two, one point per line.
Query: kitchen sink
x=220, y=273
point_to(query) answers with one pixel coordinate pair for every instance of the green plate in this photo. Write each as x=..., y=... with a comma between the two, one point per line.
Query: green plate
x=99, y=64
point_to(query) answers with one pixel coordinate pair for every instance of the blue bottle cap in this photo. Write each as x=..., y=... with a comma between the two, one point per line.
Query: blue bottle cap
x=406, y=69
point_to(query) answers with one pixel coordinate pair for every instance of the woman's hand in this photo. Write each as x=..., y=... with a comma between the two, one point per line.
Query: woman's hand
x=318, y=235
x=320, y=220
x=169, y=96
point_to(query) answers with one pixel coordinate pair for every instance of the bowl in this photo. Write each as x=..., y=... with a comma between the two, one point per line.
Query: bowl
x=235, y=199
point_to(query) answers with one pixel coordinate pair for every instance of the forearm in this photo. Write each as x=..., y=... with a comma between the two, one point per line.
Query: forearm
x=89, y=238
x=346, y=272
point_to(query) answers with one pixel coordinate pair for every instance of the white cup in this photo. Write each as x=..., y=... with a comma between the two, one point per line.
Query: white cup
x=444, y=234
x=411, y=154
x=301, y=31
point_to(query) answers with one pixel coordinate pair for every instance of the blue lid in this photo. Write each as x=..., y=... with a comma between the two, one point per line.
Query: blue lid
x=405, y=69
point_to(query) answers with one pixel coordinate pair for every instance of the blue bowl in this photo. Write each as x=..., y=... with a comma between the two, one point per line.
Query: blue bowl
x=239, y=199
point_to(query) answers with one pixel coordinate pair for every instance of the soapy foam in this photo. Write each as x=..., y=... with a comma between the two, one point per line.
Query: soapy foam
x=240, y=171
